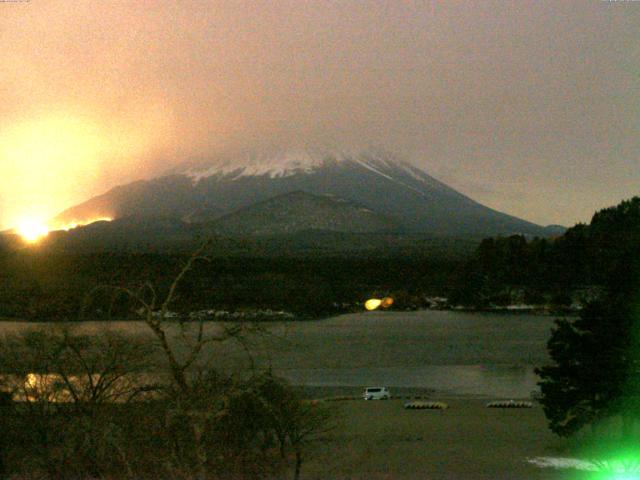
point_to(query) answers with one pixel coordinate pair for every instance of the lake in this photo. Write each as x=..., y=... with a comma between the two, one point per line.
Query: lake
x=454, y=353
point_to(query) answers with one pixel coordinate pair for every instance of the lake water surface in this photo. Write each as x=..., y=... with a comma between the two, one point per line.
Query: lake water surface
x=455, y=353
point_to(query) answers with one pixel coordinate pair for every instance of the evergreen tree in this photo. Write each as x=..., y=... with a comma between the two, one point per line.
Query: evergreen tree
x=595, y=359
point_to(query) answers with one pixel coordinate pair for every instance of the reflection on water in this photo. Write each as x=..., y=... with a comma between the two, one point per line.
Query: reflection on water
x=57, y=388
x=47, y=388
x=481, y=380
x=457, y=353
x=452, y=380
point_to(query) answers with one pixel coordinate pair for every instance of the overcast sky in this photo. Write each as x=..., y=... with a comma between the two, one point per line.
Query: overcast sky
x=530, y=107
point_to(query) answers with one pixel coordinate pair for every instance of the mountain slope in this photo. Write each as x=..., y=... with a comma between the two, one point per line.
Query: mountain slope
x=377, y=181
x=298, y=211
x=126, y=233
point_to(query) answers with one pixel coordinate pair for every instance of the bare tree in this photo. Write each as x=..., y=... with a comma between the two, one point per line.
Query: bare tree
x=296, y=423
x=198, y=421
x=64, y=381
x=184, y=355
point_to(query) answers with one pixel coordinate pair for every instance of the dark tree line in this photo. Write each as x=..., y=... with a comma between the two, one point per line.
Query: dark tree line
x=508, y=269
x=41, y=286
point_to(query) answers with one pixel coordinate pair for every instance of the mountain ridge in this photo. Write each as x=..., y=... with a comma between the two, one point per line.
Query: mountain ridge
x=386, y=185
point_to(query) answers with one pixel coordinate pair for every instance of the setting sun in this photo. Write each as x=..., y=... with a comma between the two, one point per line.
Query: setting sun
x=32, y=230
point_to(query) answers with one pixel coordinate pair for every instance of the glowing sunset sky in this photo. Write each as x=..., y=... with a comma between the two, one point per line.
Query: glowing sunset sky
x=532, y=108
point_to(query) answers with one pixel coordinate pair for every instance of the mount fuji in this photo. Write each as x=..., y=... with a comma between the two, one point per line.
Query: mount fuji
x=296, y=191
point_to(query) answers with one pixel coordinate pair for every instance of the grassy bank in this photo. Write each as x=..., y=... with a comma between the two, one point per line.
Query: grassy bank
x=382, y=440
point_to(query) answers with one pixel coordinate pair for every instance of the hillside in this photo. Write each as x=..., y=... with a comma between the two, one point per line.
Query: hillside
x=299, y=211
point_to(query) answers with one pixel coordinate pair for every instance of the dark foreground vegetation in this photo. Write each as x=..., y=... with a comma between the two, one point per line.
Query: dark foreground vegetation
x=77, y=406
x=103, y=406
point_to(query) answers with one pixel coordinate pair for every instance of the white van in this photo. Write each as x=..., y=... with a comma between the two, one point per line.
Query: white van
x=376, y=393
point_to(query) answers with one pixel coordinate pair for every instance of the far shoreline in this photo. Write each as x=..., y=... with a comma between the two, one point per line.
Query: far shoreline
x=510, y=310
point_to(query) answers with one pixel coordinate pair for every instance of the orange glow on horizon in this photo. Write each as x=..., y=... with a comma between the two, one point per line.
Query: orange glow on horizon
x=52, y=161
x=70, y=226
x=33, y=230
x=46, y=163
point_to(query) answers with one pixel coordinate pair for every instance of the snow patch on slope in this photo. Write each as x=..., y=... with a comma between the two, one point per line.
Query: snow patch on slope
x=369, y=167
x=296, y=162
x=274, y=166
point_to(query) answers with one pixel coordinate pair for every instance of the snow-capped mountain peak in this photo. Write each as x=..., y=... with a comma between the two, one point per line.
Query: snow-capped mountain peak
x=274, y=166
x=294, y=162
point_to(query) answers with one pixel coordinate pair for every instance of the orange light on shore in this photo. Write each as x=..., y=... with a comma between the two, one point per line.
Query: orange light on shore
x=386, y=302
x=372, y=303
x=375, y=303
